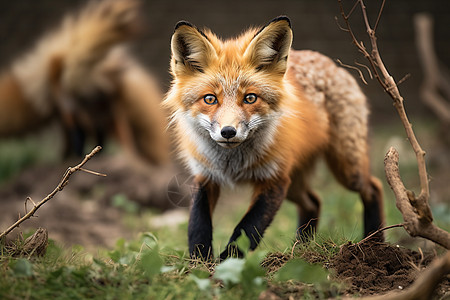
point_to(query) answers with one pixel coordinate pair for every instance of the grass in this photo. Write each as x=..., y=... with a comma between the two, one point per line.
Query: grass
x=155, y=264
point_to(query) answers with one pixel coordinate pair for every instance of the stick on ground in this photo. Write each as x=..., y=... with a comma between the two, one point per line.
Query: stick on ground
x=61, y=185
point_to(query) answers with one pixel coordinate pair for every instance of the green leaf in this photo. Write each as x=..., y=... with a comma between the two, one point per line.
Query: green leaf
x=22, y=268
x=149, y=239
x=203, y=284
x=253, y=273
x=128, y=258
x=230, y=271
x=151, y=262
x=300, y=270
x=114, y=255
x=202, y=274
x=243, y=242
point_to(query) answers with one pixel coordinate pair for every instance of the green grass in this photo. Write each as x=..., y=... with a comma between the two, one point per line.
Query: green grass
x=155, y=264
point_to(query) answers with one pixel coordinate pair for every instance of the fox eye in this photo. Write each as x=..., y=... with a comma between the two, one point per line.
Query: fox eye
x=250, y=98
x=210, y=99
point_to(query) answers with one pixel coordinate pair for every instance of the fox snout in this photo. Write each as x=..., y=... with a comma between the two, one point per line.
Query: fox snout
x=228, y=132
x=229, y=136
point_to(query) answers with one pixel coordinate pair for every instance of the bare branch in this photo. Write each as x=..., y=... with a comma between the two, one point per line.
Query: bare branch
x=61, y=185
x=366, y=67
x=379, y=16
x=418, y=220
x=378, y=231
x=353, y=9
x=339, y=25
x=360, y=45
x=389, y=85
x=93, y=172
x=353, y=68
x=404, y=78
x=433, y=78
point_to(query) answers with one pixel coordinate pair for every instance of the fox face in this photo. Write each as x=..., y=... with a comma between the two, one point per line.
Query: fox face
x=228, y=96
x=231, y=115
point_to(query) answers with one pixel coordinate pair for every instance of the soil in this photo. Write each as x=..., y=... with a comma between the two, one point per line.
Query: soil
x=374, y=268
x=364, y=269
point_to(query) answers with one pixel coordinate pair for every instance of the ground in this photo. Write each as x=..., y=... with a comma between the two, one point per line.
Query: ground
x=96, y=212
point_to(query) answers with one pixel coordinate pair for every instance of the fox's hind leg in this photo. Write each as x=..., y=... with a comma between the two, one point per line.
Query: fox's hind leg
x=349, y=161
x=308, y=204
x=347, y=152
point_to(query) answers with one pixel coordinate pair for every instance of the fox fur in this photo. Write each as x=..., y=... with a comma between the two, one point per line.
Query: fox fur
x=82, y=74
x=251, y=110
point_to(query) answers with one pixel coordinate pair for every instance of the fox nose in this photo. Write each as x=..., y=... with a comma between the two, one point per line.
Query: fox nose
x=228, y=132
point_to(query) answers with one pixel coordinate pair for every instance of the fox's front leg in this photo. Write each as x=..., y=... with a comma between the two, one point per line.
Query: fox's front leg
x=205, y=195
x=267, y=199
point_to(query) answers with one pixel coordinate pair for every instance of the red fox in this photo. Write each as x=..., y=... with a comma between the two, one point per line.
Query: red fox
x=82, y=74
x=251, y=110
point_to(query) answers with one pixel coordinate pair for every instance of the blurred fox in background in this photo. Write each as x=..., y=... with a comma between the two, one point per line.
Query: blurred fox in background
x=82, y=74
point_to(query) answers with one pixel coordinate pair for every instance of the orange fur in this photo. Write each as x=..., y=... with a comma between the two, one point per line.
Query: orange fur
x=16, y=113
x=81, y=74
x=251, y=110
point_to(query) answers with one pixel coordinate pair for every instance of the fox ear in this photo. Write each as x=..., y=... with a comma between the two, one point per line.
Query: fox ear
x=269, y=49
x=191, y=49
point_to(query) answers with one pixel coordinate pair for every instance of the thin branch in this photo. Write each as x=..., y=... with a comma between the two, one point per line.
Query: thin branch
x=404, y=78
x=434, y=81
x=366, y=67
x=339, y=25
x=353, y=68
x=379, y=16
x=353, y=9
x=378, y=231
x=26, y=201
x=389, y=85
x=418, y=220
x=360, y=45
x=93, y=172
x=61, y=185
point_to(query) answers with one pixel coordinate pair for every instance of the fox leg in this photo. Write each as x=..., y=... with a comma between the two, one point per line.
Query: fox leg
x=200, y=221
x=352, y=170
x=74, y=136
x=308, y=205
x=267, y=200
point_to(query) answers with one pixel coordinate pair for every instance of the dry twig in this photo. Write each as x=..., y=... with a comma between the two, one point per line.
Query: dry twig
x=435, y=81
x=421, y=218
x=416, y=214
x=61, y=185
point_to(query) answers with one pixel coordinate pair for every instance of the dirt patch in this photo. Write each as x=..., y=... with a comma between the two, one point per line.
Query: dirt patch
x=363, y=269
x=376, y=268
x=84, y=212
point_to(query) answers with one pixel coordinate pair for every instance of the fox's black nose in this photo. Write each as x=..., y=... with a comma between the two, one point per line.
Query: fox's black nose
x=228, y=132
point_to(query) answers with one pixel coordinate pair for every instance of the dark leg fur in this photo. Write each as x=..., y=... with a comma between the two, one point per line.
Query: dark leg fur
x=308, y=219
x=373, y=208
x=74, y=142
x=265, y=205
x=200, y=226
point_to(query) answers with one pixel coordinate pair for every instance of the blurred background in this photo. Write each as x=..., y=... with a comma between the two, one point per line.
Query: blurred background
x=22, y=22
x=314, y=25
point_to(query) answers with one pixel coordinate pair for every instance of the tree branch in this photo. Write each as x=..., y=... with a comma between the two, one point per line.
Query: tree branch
x=61, y=185
x=414, y=223
x=416, y=214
